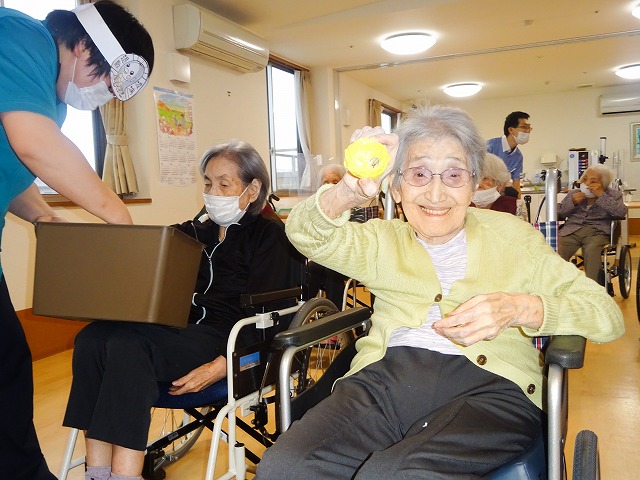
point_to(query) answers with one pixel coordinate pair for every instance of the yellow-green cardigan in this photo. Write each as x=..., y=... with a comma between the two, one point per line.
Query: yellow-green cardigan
x=503, y=254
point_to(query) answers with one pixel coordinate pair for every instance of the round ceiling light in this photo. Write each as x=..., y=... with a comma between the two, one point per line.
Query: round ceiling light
x=462, y=89
x=630, y=72
x=408, y=43
x=636, y=12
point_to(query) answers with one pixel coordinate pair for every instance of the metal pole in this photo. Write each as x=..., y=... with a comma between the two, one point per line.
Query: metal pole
x=389, y=203
x=551, y=194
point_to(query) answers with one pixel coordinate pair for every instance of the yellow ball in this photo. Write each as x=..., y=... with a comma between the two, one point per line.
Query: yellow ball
x=366, y=158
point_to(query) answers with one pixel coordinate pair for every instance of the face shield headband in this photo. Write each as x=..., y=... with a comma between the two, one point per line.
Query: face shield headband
x=129, y=72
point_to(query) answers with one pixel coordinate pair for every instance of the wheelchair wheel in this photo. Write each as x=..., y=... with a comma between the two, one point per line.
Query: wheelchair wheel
x=624, y=271
x=163, y=422
x=586, y=461
x=312, y=362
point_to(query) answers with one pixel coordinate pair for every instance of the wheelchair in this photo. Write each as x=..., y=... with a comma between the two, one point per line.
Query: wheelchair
x=545, y=460
x=616, y=262
x=246, y=389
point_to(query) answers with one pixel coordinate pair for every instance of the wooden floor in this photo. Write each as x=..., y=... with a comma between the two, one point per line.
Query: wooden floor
x=604, y=397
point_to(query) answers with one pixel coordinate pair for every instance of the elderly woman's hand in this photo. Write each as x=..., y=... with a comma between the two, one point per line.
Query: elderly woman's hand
x=352, y=191
x=201, y=377
x=484, y=317
x=578, y=197
x=368, y=187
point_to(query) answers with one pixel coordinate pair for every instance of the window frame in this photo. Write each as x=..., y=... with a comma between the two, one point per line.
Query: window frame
x=298, y=160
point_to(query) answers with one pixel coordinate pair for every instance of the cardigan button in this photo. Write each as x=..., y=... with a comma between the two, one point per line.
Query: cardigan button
x=531, y=389
x=481, y=359
x=438, y=297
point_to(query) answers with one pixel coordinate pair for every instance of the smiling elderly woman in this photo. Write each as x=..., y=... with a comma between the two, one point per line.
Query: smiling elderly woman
x=447, y=385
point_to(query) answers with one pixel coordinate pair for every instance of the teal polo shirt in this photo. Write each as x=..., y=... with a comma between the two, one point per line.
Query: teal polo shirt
x=28, y=73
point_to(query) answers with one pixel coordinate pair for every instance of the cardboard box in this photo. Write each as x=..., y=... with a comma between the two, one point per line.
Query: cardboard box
x=135, y=273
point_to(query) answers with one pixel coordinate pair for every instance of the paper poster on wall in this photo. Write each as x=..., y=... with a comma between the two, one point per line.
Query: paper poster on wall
x=176, y=137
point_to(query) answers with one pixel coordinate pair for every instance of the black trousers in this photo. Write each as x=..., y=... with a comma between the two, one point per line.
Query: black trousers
x=20, y=455
x=416, y=414
x=116, y=367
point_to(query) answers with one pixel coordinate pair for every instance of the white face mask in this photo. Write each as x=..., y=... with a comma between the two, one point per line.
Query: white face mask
x=484, y=198
x=587, y=193
x=522, y=138
x=224, y=210
x=86, y=98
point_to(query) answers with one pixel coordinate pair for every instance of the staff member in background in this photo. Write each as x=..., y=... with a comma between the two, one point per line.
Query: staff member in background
x=516, y=132
x=589, y=210
x=80, y=58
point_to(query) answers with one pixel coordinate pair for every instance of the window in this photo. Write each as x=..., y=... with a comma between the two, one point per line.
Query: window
x=79, y=124
x=287, y=160
x=389, y=118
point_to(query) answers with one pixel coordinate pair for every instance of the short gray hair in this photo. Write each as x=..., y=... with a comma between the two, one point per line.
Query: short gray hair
x=437, y=122
x=335, y=168
x=249, y=164
x=495, y=169
x=604, y=172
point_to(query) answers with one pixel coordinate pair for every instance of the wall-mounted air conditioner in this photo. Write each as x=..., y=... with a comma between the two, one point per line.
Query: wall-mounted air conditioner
x=207, y=34
x=619, y=103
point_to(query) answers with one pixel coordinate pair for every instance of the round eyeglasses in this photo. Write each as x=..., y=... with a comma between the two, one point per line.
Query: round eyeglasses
x=451, y=177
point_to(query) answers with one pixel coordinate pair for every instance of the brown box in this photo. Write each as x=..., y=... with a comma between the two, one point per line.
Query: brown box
x=135, y=273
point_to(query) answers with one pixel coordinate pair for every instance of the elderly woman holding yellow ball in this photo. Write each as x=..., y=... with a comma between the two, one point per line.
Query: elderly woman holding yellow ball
x=447, y=384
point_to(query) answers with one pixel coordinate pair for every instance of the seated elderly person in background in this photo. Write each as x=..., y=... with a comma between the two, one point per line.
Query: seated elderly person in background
x=117, y=365
x=493, y=179
x=447, y=384
x=330, y=174
x=588, y=211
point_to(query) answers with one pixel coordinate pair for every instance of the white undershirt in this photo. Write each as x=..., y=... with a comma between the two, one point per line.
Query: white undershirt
x=450, y=263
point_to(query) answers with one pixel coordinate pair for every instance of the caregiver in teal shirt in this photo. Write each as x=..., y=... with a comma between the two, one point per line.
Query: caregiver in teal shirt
x=39, y=63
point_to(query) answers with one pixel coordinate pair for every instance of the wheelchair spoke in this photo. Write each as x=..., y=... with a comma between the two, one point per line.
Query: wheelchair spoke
x=310, y=364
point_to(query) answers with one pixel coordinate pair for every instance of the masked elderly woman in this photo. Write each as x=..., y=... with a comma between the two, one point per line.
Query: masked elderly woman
x=447, y=384
x=117, y=365
x=588, y=211
x=490, y=191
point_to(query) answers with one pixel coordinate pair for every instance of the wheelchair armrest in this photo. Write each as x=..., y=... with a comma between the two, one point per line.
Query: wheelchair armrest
x=566, y=351
x=322, y=329
x=252, y=299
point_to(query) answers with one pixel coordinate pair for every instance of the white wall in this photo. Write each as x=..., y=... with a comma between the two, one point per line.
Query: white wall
x=562, y=121
x=355, y=97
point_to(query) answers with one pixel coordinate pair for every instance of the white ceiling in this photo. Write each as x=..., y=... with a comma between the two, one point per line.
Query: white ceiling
x=512, y=47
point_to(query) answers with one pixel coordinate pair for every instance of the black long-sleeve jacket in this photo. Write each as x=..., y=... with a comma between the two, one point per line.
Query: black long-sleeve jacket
x=254, y=257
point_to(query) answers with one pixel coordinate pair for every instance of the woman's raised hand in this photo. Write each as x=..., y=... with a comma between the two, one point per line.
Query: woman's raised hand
x=369, y=187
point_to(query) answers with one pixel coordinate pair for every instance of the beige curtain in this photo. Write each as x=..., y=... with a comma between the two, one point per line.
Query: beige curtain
x=302, y=82
x=375, y=113
x=118, y=173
